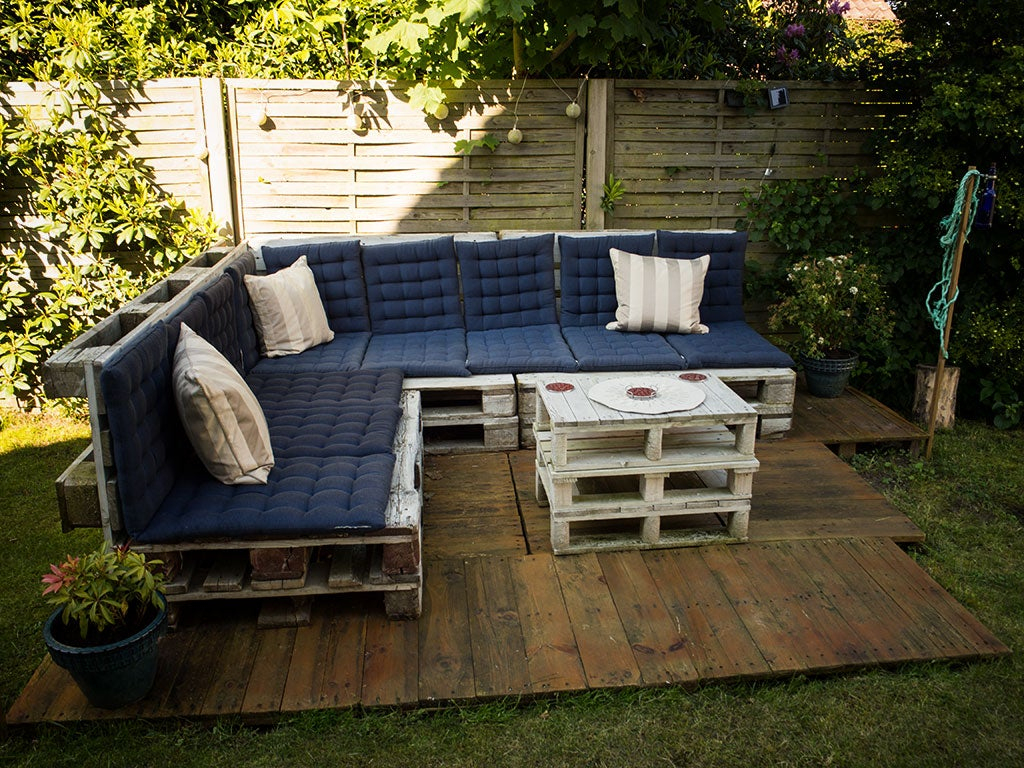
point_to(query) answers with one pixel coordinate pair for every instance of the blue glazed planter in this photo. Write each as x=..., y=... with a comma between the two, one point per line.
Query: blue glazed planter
x=828, y=376
x=114, y=674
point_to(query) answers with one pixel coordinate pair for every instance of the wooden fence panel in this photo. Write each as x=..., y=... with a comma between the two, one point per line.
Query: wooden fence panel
x=305, y=170
x=175, y=126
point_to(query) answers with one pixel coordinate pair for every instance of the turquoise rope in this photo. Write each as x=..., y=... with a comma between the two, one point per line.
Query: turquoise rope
x=938, y=303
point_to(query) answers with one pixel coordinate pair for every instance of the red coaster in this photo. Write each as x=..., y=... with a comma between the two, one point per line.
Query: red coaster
x=642, y=393
x=692, y=376
x=559, y=386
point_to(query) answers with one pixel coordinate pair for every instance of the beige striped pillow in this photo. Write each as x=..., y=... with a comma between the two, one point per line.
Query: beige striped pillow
x=656, y=294
x=289, y=315
x=221, y=416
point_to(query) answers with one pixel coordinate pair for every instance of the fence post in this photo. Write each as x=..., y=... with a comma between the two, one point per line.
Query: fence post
x=218, y=162
x=600, y=130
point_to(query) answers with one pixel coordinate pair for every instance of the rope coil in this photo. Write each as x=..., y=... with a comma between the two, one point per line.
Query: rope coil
x=939, y=303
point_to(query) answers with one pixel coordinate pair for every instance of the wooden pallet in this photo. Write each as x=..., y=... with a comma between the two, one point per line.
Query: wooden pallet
x=468, y=414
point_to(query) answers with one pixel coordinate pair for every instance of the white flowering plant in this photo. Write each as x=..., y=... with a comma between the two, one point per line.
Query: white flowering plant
x=835, y=305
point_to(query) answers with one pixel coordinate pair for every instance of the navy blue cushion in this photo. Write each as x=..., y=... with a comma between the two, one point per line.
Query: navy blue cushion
x=302, y=497
x=339, y=279
x=248, y=342
x=148, y=443
x=530, y=349
x=598, y=349
x=508, y=283
x=343, y=353
x=332, y=436
x=220, y=326
x=587, y=276
x=729, y=345
x=723, y=285
x=429, y=353
x=412, y=286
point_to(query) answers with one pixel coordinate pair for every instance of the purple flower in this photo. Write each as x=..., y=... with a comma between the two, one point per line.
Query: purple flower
x=786, y=56
x=795, y=30
x=837, y=9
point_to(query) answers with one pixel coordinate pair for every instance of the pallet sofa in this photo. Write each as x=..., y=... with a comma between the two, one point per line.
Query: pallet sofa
x=446, y=328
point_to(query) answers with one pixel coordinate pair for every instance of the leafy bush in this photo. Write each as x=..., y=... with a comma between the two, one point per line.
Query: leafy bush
x=989, y=342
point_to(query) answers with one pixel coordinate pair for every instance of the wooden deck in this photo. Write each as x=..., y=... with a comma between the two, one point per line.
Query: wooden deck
x=821, y=587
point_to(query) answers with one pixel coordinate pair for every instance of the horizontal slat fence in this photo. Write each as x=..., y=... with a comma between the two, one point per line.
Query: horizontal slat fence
x=175, y=126
x=684, y=155
x=306, y=170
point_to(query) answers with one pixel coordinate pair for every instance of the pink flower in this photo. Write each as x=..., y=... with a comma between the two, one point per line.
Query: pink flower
x=787, y=56
x=60, y=576
x=836, y=9
x=795, y=30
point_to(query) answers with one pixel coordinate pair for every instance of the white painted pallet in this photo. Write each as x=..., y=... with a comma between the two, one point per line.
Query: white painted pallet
x=468, y=414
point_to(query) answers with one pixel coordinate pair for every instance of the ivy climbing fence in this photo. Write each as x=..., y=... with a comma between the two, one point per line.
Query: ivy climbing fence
x=272, y=157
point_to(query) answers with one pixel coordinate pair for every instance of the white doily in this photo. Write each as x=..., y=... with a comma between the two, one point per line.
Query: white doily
x=647, y=395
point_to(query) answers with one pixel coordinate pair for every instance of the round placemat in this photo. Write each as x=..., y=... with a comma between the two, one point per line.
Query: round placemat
x=559, y=386
x=634, y=394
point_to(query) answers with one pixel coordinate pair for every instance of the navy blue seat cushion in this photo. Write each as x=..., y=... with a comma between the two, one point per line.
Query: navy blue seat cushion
x=148, y=443
x=729, y=345
x=303, y=497
x=723, y=285
x=343, y=353
x=338, y=273
x=508, y=283
x=598, y=349
x=531, y=349
x=587, y=276
x=427, y=353
x=333, y=437
x=412, y=286
x=245, y=264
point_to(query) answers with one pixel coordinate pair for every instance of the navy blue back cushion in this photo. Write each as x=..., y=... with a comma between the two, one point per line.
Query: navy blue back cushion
x=247, y=340
x=508, y=283
x=220, y=327
x=412, y=285
x=339, y=279
x=588, y=279
x=723, y=285
x=147, y=440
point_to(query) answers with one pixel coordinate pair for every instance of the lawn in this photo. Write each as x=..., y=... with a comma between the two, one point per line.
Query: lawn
x=969, y=500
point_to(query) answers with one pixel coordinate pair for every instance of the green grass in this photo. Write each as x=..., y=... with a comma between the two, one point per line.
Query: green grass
x=968, y=500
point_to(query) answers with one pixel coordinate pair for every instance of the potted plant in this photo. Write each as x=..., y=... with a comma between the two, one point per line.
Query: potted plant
x=836, y=307
x=110, y=614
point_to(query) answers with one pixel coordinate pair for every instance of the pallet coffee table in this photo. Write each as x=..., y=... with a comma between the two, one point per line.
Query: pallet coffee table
x=617, y=479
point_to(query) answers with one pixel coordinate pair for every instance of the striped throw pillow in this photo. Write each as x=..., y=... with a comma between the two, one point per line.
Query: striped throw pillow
x=656, y=294
x=288, y=313
x=220, y=414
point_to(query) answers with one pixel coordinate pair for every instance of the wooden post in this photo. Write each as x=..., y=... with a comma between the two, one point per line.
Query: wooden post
x=924, y=396
x=940, y=366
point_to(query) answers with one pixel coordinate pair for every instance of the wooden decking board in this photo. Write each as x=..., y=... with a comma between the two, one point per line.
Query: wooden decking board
x=343, y=674
x=500, y=666
x=309, y=661
x=550, y=647
x=390, y=662
x=852, y=419
x=605, y=651
x=230, y=677
x=660, y=650
x=265, y=691
x=446, y=662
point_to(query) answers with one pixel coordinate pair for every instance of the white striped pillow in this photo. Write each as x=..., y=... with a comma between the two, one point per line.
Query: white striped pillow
x=288, y=313
x=656, y=294
x=221, y=416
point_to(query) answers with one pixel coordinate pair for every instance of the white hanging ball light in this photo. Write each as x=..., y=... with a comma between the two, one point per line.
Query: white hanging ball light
x=573, y=110
x=354, y=122
x=440, y=112
x=259, y=116
x=515, y=136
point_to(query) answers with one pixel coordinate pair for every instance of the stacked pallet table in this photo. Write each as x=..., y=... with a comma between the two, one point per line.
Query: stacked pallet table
x=616, y=479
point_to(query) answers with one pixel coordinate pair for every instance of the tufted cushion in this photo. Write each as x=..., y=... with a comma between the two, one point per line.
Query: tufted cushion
x=147, y=441
x=289, y=315
x=533, y=348
x=220, y=414
x=333, y=437
x=729, y=345
x=587, y=277
x=508, y=283
x=656, y=294
x=723, y=286
x=342, y=353
x=339, y=279
x=598, y=349
x=412, y=286
x=428, y=353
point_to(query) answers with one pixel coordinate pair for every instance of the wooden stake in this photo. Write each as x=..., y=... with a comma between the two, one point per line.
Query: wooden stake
x=940, y=366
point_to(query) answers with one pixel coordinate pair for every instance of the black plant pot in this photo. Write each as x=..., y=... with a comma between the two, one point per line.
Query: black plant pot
x=115, y=674
x=828, y=376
